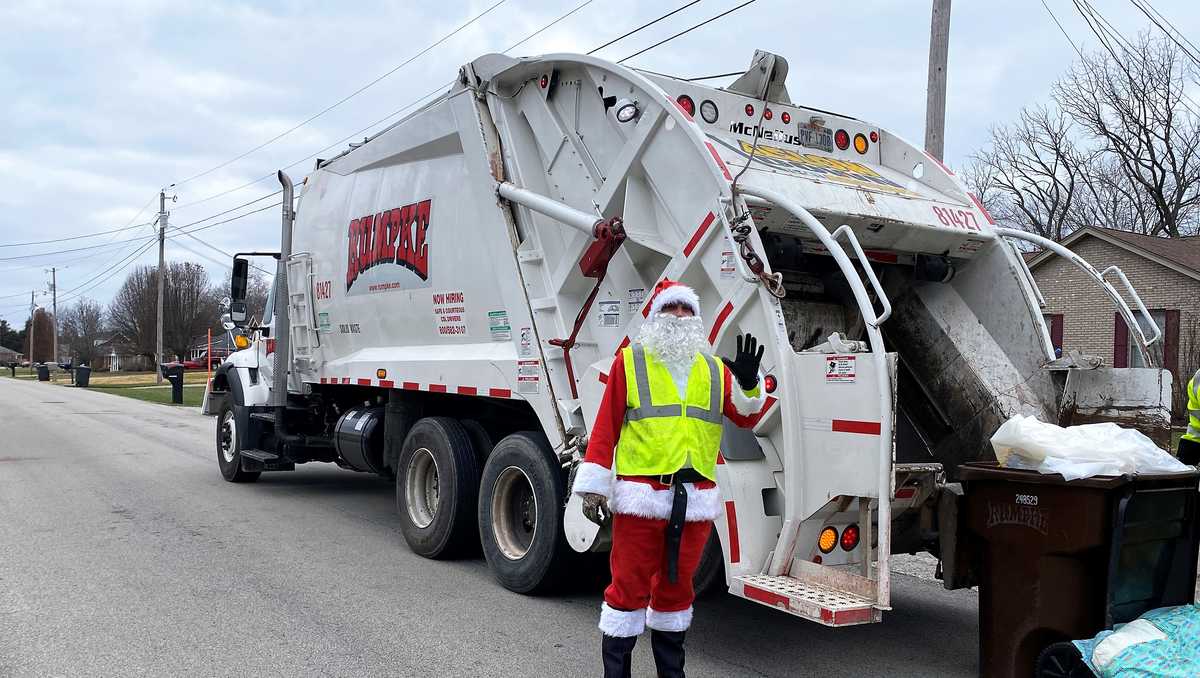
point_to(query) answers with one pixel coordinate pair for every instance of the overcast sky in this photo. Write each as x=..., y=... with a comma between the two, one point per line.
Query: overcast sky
x=105, y=102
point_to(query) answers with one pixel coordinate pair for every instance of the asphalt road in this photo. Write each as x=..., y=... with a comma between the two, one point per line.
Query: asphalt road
x=123, y=552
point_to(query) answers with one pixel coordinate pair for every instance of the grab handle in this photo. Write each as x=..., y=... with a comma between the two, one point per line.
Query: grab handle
x=866, y=264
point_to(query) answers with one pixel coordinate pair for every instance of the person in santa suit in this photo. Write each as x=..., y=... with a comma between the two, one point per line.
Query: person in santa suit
x=651, y=461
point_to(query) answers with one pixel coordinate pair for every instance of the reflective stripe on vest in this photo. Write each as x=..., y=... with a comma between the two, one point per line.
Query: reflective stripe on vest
x=1193, y=389
x=662, y=438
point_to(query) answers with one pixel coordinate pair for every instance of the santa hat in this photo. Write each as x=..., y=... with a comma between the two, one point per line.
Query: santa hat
x=673, y=292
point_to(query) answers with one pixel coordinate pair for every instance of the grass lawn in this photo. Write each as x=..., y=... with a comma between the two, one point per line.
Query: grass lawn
x=193, y=394
x=139, y=385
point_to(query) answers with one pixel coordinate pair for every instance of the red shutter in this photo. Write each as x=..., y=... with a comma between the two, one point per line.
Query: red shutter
x=1171, y=342
x=1056, y=330
x=1120, y=342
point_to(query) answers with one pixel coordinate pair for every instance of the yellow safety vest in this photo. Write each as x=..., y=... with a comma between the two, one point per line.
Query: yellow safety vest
x=662, y=433
x=1193, y=389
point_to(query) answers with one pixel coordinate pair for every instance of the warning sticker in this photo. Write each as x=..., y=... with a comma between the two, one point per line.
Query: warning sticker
x=498, y=326
x=323, y=325
x=727, y=264
x=636, y=297
x=528, y=375
x=839, y=369
x=610, y=313
x=450, y=312
x=525, y=344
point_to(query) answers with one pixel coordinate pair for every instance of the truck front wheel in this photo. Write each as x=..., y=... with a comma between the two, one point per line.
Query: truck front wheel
x=521, y=499
x=229, y=447
x=437, y=484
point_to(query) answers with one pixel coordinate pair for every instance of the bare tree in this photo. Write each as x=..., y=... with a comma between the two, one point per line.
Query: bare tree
x=43, y=337
x=80, y=327
x=190, y=306
x=133, y=312
x=1133, y=105
x=1030, y=174
x=258, y=287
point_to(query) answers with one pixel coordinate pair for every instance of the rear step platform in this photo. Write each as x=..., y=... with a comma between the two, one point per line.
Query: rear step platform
x=258, y=460
x=822, y=604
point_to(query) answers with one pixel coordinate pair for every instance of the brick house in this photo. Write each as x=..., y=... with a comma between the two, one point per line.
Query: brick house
x=1166, y=274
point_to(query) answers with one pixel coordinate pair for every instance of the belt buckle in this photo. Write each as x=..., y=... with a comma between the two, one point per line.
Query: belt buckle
x=666, y=479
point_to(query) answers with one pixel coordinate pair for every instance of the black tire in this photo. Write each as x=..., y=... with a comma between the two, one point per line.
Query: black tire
x=481, y=440
x=229, y=447
x=437, y=470
x=709, y=577
x=521, y=500
x=1062, y=660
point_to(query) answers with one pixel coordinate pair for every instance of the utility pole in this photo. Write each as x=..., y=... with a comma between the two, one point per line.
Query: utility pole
x=162, y=233
x=32, y=324
x=935, y=95
x=54, y=306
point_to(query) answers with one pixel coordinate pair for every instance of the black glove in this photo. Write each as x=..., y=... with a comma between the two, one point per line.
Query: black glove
x=744, y=365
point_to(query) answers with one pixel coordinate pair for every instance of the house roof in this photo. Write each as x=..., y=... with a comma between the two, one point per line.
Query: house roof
x=1178, y=254
x=4, y=350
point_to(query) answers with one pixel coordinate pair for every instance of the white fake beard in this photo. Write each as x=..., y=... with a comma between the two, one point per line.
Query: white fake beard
x=675, y=341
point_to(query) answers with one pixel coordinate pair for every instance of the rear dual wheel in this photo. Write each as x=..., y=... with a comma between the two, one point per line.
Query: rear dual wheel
x=437, y=485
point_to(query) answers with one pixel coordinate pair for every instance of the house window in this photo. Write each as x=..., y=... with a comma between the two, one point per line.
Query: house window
x=1054, y=321
x=1126, y=342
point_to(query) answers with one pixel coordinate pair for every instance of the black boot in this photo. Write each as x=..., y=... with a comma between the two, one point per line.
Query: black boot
x=668, y=653
x=618, y=656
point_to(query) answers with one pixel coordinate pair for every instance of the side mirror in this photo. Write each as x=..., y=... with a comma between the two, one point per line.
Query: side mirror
x=237, y=312
x=227, y=322
x=237, y=285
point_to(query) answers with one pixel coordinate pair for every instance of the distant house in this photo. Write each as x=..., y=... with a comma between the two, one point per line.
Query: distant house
x=222, y=346
x=7, y=355
x=113, y=354
x=1166, y=274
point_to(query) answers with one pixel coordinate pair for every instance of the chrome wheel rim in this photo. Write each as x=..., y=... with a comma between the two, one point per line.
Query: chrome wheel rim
x=228, y=442
x=421, y=488
x=514, y=513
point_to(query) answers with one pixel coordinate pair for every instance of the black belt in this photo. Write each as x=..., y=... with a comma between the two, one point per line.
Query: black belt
x=679, y=502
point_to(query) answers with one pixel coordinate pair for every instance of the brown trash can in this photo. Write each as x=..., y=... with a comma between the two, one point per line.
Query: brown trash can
x=1059, y=560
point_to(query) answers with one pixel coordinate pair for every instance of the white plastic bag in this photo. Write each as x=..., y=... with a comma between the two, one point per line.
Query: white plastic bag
x=1079, y=451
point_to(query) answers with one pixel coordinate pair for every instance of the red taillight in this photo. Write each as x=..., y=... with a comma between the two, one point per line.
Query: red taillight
x=874, y=137
x=786, y=117
x=750, y=109
x=685, y=102
x=850, y=538
x=270, y=346
x=770, y=383
x=544, y=81
x=842, y=139
x=768, y=114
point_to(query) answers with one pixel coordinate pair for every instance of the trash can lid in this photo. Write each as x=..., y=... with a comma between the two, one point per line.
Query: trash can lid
x=990, y=470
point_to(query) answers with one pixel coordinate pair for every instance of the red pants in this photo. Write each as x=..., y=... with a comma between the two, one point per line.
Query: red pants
x=639, y=570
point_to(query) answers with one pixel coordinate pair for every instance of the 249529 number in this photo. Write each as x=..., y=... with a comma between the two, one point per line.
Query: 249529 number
x=956, y=218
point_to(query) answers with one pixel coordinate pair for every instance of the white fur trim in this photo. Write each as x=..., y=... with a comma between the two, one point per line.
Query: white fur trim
x=594, y=478
x=641, y=499
x=622, y=623
x=669, y=621
x=676, y=294
x=746, y=404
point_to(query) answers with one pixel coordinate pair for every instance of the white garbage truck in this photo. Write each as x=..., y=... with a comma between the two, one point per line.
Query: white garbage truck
x=451, y=292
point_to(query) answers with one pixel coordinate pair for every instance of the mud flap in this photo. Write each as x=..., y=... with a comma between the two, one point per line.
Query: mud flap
x=1133, y=397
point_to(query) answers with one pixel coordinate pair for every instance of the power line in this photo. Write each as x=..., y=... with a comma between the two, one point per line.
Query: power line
x=344, y=99
x=73, y=237
x=645, y=25
x=687, y=30
x=1147, y=9
x=1062, y=30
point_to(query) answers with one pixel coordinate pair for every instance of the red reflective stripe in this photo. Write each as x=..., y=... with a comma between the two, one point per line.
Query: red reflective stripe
x=735, y=547
x=849, y=426
x=603, y=378
x=905, y=493
x=499, y=393
x=939, y=163
x=771, y=400
x=364, y=382
x=886, y=257
x=322, y=380
x=843, y=617
x=345, y=380
x=981, y=209
x=467, y=390
x=721, y=318
x=437, y=388
x=763, y=596
x=412, y=386
x=720, y=163
x=687, y=249
x=387, y=383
